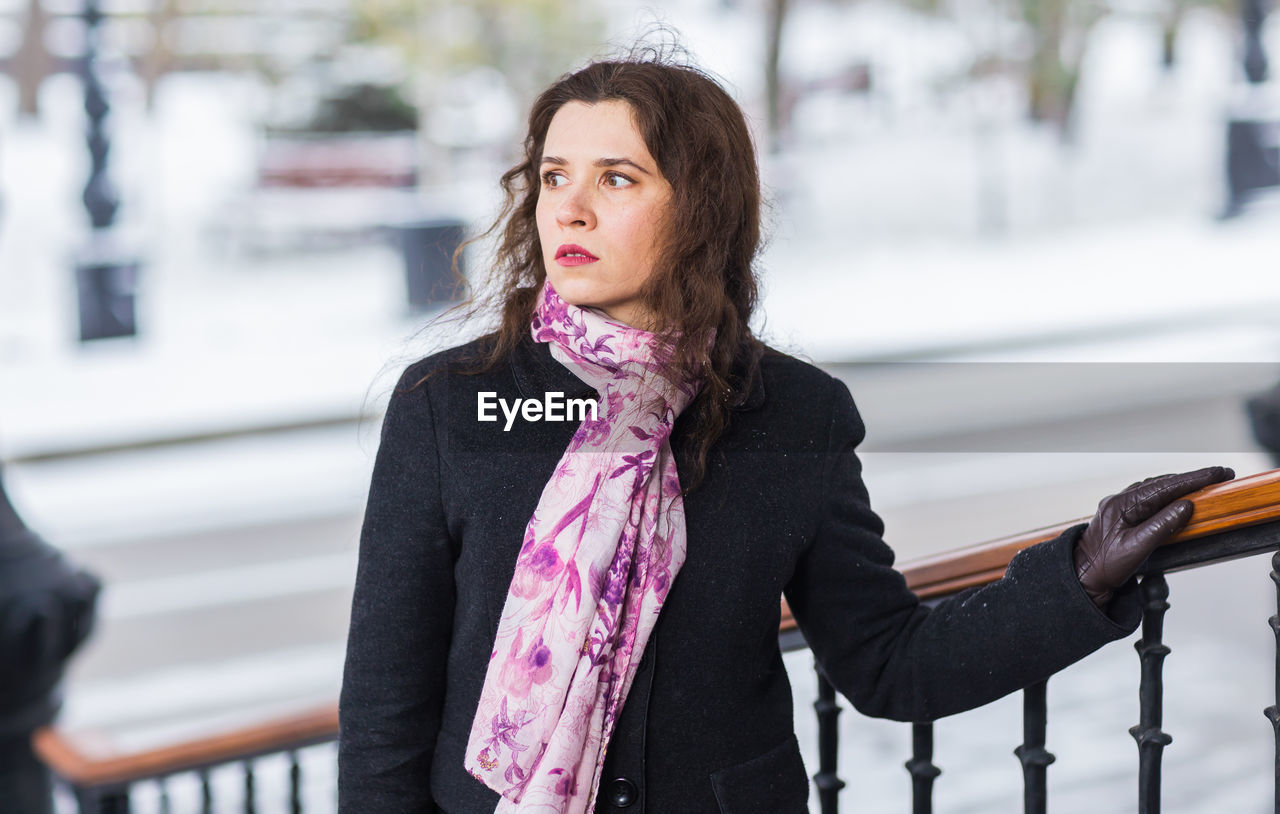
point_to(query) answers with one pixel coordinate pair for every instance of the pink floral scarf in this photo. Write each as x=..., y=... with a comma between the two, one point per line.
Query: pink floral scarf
x=599, y=555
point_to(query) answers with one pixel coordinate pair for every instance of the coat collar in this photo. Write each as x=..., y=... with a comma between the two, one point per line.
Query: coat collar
x=536, y=372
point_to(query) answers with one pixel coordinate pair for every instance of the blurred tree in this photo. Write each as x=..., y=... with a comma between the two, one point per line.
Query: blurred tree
x=32, y=63
x=1171, y=18
x=530, y=42
x=362, y=107
x=775, y=16
x=1059, y=31
x=157, y=60
x=779, y=99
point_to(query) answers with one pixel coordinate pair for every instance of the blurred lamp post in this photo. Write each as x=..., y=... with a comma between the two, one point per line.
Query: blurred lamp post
x=1255, y=56
x=1253, y=129
x=105, y=276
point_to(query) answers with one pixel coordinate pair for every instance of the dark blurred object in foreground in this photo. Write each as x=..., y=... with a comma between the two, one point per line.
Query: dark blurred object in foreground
x=46, y=612
x=1264, y=414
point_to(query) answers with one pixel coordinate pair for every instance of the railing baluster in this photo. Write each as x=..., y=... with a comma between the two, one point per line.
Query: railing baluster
x=206, y=792
x=922, y=770
x=1151, y=652
x=86, y=801
x=1273, y=712
x=1034, y=757
x=104, y=801
x=163, y=783
x=827, y=778
x=250, y=807
x=295, y=784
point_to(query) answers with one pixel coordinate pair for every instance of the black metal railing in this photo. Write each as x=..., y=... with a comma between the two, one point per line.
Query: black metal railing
x=1232, y=520
x=105, y=782
x=120, y=799
x=1034, y=757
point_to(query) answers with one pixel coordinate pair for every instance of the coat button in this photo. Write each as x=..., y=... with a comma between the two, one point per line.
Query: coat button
x=622, y=792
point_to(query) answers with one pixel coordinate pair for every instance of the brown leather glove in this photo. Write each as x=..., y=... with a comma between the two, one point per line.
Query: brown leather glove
x=1130, y=525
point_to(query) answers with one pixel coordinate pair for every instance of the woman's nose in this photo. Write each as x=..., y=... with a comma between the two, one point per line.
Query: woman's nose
x=575, y=209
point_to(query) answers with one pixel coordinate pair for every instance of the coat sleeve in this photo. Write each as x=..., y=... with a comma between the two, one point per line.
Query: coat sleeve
x=894, y=657
x=401, y=619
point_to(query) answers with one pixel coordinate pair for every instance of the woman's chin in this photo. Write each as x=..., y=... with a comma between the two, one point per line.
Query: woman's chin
x=577, y=292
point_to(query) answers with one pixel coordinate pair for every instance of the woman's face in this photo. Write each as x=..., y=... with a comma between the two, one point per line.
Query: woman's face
x=601, y=210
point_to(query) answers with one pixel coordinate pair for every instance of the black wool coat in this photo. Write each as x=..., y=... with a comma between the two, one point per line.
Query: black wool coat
x=707, y=726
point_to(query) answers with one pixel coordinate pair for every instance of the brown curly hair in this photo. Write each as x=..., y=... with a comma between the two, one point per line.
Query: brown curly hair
x=704, y=278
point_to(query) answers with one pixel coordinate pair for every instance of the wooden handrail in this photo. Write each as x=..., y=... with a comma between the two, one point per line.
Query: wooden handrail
x=90, y=761
x=1235, y=504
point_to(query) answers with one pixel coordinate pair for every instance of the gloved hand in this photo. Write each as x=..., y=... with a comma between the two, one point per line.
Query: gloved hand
x=1130, y=525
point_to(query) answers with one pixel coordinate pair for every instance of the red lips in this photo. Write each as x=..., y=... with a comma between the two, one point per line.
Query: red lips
x=571, y=254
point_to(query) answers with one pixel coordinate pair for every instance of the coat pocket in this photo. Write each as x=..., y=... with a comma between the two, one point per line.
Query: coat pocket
x=772, y=783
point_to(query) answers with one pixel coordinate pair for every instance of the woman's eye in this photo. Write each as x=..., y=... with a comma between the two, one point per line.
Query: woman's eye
x=555, y=178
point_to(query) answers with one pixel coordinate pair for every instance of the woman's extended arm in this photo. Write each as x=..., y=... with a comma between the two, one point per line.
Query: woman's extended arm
x=895, y=658
x=401, y=618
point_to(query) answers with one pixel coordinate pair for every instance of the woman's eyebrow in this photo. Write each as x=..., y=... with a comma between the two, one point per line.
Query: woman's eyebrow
x=599, y=162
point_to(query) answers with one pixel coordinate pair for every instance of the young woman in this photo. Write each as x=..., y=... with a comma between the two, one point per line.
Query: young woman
x=580, y=525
